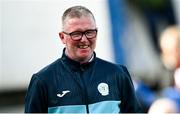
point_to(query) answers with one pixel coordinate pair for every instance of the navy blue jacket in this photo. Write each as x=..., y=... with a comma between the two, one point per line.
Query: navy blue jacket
x=65, y=86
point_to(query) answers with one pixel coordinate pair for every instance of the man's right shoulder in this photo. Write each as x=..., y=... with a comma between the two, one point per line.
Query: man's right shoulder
x=49, y=69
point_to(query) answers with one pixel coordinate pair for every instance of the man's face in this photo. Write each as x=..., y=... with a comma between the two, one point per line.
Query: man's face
x=80, y=50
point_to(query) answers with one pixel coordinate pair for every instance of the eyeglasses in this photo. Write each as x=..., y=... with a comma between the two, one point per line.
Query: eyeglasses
x=77, y=35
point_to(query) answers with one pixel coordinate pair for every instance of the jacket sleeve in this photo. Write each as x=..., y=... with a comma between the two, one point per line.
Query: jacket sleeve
x=35, y=100
x=129, y=103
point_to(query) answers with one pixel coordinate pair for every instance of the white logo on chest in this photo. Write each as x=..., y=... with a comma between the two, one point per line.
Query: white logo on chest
x=63, y=93
x=103, y=88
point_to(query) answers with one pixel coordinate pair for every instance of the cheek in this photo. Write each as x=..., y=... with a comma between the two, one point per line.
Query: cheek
x=71, y=44
x=94, y=43
x=66, y=41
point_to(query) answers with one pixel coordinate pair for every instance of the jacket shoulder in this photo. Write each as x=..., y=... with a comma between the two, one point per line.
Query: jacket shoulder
x=111, y=66
x=49, y=69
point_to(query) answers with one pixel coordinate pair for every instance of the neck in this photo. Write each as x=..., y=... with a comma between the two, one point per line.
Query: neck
x=80, y=60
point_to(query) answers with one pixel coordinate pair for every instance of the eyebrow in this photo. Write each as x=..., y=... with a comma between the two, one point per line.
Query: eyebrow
x=80, y=30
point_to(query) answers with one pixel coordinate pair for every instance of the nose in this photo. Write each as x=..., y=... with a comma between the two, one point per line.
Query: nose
x=84, y=38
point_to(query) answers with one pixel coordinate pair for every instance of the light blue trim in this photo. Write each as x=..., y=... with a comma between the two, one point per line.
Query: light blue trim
x=100, y=107
x=68, y=109
x=105, y=107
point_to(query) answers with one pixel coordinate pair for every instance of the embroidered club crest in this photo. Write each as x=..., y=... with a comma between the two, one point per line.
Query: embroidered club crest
x=103, y=88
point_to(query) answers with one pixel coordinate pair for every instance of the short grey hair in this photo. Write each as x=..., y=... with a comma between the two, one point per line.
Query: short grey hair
x=76, y=11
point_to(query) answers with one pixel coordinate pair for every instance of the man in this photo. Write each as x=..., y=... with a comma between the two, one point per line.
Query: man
x=79, y=82
x=170, y=55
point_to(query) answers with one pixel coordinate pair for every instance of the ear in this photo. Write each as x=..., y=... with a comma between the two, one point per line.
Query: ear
x=61, y=36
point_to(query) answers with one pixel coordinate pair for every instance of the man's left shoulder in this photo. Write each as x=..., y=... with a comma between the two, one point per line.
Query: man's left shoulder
x=104, y=63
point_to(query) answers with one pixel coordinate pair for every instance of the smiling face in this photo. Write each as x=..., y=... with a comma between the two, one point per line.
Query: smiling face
x=81, y=50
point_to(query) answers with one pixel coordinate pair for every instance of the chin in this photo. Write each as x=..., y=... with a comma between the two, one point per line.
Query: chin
x=84, y=56
x=84, y=53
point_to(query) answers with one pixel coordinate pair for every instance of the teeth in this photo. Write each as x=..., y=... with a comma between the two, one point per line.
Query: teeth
x=83, y=47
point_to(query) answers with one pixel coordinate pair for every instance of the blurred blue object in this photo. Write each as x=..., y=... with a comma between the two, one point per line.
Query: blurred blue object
x=173, y=94
x=145, y=95
x=118, y=24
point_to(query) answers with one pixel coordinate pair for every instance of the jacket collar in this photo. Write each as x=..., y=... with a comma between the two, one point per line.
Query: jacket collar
x=74, y=65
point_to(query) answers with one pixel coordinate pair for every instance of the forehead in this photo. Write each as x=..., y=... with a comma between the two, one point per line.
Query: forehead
x=83, y=22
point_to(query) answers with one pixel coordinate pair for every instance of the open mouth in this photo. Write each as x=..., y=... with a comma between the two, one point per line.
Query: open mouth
x=83, y=46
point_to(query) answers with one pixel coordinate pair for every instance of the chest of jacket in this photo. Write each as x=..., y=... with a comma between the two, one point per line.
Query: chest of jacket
x=82, y=87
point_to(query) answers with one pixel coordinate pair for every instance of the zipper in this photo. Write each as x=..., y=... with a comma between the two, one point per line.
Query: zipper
x=86, y=102
x=85, y=89
x=80, y=80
